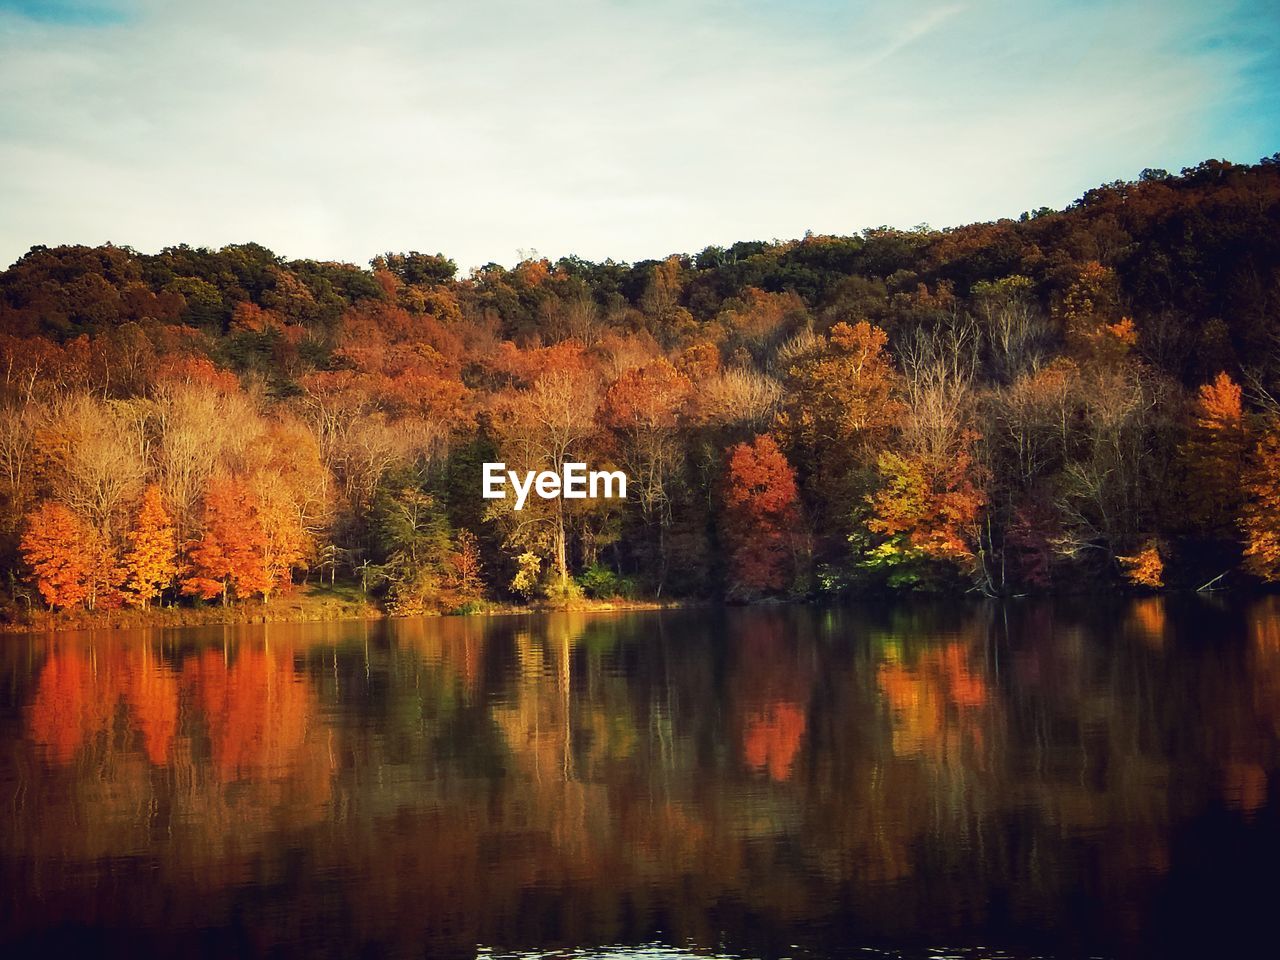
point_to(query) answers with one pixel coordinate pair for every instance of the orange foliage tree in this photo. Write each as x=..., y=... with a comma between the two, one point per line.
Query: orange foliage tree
x=59, y=547
x=842, y=394
x=928, y=509
x=223, y=556
x=761, y=517
x=1215, y=452
x=1260, y=519
x=464, y=568
x=1145, y=568
x=151, y=560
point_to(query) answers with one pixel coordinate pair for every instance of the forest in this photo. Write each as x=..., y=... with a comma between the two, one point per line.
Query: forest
x=1077, y=399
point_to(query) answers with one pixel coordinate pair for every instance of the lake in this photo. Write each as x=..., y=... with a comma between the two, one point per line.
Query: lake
x=924, y=779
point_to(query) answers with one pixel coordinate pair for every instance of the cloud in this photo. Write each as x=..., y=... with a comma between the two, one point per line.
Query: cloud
x=94, y=12
x=598, y=128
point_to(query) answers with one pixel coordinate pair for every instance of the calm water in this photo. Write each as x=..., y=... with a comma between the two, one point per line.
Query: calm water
x=970, y=781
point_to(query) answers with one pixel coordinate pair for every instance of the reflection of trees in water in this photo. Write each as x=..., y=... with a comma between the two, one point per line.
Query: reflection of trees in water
x=584, y=779
x=253, y=710
x=210, y=749
x=772, y=677
x=79, y=695
x=1245, y=780
x=936, y=700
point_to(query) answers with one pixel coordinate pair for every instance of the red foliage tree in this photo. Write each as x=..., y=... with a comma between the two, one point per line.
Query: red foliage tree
x=761, y=515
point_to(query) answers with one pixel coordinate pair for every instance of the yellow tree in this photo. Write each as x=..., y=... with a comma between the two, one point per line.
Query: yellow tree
x=151, y=561
x=842, y=394
x=252, y=540
x=281, y=541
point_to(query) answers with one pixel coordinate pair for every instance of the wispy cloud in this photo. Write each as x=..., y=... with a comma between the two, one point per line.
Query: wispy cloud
x=598, y=128
x=91, y=12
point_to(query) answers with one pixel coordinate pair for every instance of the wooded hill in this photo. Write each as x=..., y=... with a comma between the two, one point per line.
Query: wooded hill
x=1075, y=397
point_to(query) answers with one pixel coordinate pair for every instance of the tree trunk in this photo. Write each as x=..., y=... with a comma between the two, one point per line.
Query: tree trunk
x=562, y=559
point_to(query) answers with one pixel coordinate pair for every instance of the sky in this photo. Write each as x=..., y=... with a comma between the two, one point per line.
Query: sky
x=492, y=130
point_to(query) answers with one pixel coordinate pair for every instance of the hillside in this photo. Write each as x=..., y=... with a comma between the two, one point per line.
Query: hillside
x=1084, y=397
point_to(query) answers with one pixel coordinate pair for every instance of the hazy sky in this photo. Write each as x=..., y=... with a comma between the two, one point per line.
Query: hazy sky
x=604, y=129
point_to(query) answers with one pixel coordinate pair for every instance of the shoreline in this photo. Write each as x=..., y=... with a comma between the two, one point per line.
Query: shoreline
x=346, y=604
x=317, y=605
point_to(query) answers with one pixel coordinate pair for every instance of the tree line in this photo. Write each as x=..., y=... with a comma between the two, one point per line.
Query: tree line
x=1084, y=397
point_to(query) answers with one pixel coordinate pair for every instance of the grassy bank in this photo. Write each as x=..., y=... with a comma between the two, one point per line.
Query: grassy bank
x=306, y=604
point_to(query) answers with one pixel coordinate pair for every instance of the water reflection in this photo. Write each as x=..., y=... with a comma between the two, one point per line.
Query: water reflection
x=992, y=780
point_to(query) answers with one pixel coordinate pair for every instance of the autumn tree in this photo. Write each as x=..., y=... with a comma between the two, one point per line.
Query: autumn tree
x=225, y=557
x=1105, y=492
x=550, y=424
x=642, y=410
x=1215, y=451
x=1146, y=567
x=1015, y=332
x=661, y=298
x=464, y=569
x=1030, y=425
x=415, y=534
x=841, y=400
x=1029, y=430
x=18, y=458
x=927, y=508
x=736, y=399
x=927, y=512
x=59, y=547
x=281, y=543
x=199, y=423
x=1095, y=327
x=1260, y=519
x=761, y=518
x=841, y=391
x=95, y=457
x=150, y=562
